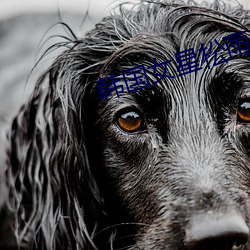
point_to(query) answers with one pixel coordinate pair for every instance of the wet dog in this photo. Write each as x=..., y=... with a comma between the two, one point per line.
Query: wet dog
x=138, y=136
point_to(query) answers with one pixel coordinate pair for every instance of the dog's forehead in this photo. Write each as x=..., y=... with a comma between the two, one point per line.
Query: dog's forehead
x=184, y=55
x=234, y=75
x=178, y=63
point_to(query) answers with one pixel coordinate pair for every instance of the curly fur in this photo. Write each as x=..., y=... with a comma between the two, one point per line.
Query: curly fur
x=75, y=181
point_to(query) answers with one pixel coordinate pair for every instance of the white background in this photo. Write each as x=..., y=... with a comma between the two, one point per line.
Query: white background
x=96, y=7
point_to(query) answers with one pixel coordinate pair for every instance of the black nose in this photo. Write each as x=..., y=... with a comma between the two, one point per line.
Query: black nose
x=217, y=232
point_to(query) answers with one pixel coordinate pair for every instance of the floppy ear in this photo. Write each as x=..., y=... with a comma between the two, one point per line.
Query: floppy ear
x=53, y=197
x=51, y=186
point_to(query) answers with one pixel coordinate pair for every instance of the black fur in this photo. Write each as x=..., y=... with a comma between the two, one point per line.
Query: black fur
x=77, y=181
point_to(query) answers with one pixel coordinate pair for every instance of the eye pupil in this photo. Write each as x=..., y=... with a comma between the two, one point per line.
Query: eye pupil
x=243, y=113
x=130, y=121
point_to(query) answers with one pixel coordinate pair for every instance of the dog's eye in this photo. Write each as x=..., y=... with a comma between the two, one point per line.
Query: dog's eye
x=243, y=113
x=130, y=121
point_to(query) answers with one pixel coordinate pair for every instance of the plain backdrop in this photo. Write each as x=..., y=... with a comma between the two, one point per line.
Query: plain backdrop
x=95, y=7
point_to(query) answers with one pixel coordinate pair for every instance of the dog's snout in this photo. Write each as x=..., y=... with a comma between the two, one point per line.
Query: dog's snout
x=217, y=232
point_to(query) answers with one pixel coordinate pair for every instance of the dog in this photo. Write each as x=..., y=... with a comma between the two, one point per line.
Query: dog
x=161, y=165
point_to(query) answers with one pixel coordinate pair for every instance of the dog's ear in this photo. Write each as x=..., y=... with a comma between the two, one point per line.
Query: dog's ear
x=53, y=195
x=51, y=186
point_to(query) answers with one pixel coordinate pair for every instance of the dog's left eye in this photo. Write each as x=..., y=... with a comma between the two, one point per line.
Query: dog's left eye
x=130, y=121
x=243, y=113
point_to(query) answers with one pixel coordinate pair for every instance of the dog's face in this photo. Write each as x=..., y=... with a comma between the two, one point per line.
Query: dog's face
x=165, y=167
x=177, y=153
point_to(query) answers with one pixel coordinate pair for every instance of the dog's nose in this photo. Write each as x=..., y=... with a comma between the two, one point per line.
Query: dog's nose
x=217, y=232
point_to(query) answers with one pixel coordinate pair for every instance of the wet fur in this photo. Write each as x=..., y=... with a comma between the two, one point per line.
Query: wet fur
x=76, y=181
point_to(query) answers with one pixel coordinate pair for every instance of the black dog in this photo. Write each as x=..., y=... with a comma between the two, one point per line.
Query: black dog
x=165, y=167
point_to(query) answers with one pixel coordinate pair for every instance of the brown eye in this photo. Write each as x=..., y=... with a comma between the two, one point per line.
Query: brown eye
x=130, y=121
x=243, y=113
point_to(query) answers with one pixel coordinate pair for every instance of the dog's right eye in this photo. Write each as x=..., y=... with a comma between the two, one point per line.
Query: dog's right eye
x=243, y=113
x=130, y=121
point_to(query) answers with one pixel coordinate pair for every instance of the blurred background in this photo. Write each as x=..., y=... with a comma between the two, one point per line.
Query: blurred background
x=25, y=27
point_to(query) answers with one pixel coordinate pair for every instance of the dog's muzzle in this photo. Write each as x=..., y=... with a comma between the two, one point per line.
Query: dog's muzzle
x=217, y=232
